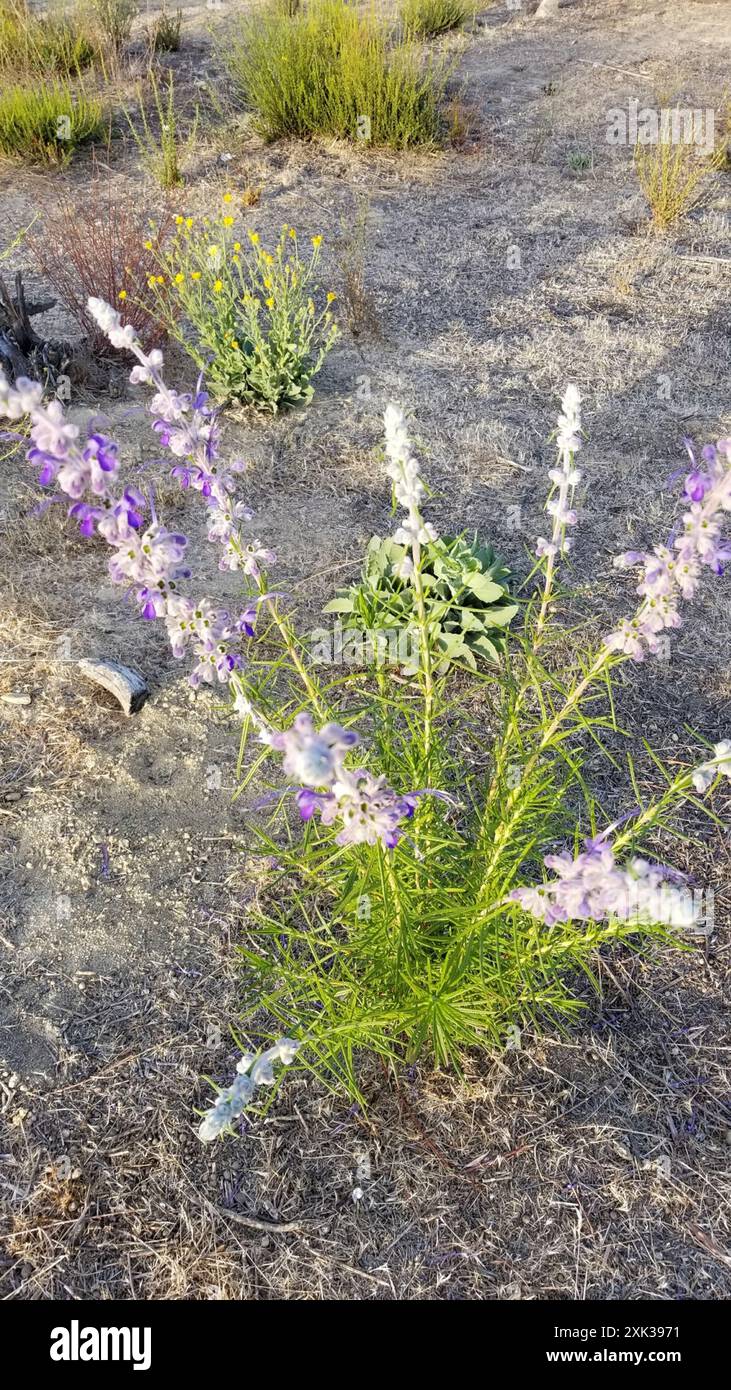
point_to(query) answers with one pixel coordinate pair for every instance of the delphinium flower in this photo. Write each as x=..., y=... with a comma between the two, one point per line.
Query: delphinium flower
x=409, y=490
x=188, y=426
x=76, y=467
x=672, y=572
x=147, y=558
x=370, y=811
x=247, y=558
x=251, y=1071
x=565, y=477
x=591, y=886
x=719, y=765
x=403, y=468
x=151, y=559
x=18, y=400
x=313, y=756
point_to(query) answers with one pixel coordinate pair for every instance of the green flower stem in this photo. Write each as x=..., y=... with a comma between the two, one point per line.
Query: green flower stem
x=426, y=658
x=284, y=628
x=536, y=638
x=501, y=833
x=681, y=786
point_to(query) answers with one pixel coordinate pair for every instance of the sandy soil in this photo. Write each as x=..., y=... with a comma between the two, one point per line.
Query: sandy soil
x=590, y=1166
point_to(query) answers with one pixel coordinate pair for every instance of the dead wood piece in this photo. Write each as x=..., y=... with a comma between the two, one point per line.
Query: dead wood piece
x=21, y=349
x=258, y=1225
x=129, y=689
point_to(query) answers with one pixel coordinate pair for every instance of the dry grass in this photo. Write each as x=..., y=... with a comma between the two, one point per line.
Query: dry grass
x=590, y=1167
x=352, y=252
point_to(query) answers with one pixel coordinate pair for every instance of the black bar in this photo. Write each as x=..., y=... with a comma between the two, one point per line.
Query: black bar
x=211, y=1340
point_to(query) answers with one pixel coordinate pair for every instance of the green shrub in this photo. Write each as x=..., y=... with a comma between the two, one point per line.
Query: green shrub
x=579, y=161
x=468, y=606
x=258, y=333
x=674, y=179
x=166, y=32
x=425, y=908
x=115, y=19
x=163, y=148
x=44, y=124
x=333, y=70
x=30, y=44
x=426, y=19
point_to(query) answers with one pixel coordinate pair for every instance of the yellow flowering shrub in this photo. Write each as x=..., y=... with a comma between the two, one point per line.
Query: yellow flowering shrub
x=247, y=316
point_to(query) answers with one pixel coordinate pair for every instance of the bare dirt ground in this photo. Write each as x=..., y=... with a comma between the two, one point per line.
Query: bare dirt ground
x=589, y=1166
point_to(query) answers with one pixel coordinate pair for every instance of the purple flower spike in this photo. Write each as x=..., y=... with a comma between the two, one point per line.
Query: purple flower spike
x=147, y=559
x=673, y=572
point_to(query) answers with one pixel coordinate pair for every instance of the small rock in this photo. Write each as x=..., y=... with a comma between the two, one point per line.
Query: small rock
x=13, y=697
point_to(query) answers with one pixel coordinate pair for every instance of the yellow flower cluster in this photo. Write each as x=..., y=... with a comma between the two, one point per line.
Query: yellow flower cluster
x=223, y=287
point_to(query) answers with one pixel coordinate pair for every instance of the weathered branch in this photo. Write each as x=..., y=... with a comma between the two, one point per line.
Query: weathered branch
x=22, y=351
x=129, y=689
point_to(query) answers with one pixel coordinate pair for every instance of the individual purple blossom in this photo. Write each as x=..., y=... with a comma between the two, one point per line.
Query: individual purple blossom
x=215, y=664
x=698, y=483
x=246, y=621
x=52, y=433
x=88, y=517
x=222, y=525
x=313, y=756
x=177, y=621
x=120, y=518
